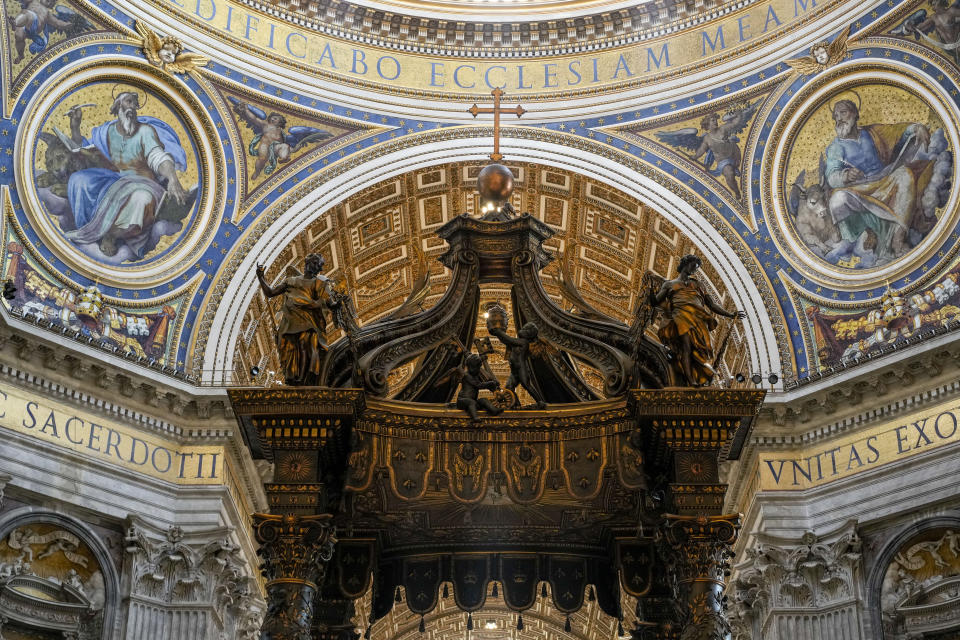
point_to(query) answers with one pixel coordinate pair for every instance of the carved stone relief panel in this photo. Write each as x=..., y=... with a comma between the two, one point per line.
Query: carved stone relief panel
x=51, y=581
x=920, y=593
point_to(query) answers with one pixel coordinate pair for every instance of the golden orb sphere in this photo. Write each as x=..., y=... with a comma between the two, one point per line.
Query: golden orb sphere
x=495, y=183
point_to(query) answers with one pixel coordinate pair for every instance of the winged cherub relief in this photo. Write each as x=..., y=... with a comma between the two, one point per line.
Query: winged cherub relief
x=718, y=144
x=468, y=464
x=273, y=143
x=167, y=53
x=822, y=55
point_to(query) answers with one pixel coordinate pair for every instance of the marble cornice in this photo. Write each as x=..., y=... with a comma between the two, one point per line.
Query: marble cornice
x=104, y=382
x=926, y=373
x=130, y=394
x=198, y=416
x=929, y=375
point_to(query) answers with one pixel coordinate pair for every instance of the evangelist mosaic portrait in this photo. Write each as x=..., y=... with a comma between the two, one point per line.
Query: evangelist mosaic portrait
x=868, y=175
x=117, y=172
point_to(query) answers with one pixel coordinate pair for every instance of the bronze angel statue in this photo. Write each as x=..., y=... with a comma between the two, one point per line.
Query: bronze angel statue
x=167, y=52
x=822, y=55
x=273, y=143
x=718, y=144
x=302, y=320
x=688, y=310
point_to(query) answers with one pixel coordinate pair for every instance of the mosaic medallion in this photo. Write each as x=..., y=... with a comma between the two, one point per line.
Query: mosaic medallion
x=862, y=176
x=120, y=179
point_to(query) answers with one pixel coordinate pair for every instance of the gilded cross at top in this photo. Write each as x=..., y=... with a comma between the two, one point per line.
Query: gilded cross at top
x=496, y=110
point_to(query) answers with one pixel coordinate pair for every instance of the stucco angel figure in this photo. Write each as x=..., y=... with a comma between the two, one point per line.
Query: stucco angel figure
x=690, y=319
x=273, y=143
x=822, y=55
x=167, y=52
x=719, y=142
x=302, y=321
x=37, y=19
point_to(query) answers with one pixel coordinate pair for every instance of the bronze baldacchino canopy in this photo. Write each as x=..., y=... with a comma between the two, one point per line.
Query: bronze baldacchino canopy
x=450, y=481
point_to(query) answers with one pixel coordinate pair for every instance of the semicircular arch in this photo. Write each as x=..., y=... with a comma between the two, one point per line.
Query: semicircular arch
x=39, y=516
x=223, y=317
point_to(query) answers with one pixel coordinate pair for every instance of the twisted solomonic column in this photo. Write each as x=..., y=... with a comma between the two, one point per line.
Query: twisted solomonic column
x=699, y=549
x=294, y=551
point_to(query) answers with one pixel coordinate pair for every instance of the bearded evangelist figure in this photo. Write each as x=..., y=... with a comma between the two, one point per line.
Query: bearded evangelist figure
x=877, y=175
x=127, y=170
x=110, y=206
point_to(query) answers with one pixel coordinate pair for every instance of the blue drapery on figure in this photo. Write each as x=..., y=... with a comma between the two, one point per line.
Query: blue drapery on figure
x=96, y=190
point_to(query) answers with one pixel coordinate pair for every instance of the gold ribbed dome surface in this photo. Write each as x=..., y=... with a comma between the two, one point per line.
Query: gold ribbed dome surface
x=537, y=27
x=500, y=9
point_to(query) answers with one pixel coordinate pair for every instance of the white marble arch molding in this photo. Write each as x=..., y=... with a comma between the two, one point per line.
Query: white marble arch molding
x=224, y=332
x=111, y=578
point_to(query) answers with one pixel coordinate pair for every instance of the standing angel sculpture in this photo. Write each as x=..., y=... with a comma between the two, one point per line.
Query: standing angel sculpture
x=302, y=322
x=690, y=310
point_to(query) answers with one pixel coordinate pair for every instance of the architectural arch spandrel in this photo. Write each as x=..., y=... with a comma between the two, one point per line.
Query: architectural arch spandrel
x=745, y=72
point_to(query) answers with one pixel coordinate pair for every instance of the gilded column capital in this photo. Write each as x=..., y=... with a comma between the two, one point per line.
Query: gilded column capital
x=294, y=551
x=699, y=549
x=704, y=542
x=294, y=547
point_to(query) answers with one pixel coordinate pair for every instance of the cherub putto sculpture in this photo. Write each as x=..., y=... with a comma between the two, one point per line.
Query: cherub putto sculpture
x=519, y=349
x=822, y=55
x=167, y=52
x=471, y=382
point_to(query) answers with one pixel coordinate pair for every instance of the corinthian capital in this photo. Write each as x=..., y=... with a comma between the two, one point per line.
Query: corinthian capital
x=698, y=551
x=703, y=544
x=294, y=550
x=294, y=547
